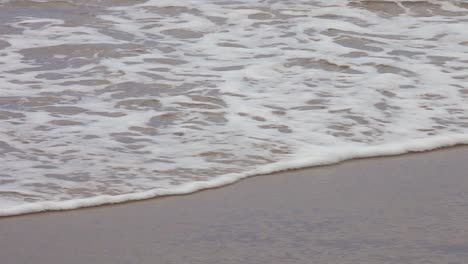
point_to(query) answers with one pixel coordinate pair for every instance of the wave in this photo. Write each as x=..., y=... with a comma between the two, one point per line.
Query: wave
x=103, y=102
x=328, y=158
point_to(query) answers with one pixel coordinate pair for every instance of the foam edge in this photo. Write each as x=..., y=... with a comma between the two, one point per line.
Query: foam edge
x=415, y=145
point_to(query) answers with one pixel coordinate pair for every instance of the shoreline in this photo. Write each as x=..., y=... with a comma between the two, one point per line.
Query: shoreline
x=328, y=158
x=402, y=209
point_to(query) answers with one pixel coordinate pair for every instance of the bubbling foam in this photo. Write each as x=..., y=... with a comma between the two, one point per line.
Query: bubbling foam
x=122, y=100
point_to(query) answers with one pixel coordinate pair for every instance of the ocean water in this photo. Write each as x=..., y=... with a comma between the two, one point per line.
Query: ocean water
x=115, y=100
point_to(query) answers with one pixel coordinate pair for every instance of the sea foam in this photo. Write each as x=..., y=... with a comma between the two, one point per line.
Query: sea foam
x=115, y=101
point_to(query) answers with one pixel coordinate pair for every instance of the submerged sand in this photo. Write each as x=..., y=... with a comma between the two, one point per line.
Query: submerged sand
x=405, y=209
x=114, y=98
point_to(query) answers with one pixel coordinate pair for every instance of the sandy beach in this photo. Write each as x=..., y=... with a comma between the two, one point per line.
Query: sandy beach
x=109, y=101
x=404, y=209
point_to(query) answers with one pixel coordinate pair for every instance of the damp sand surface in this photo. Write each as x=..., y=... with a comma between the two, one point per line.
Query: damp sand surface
x=403, y=209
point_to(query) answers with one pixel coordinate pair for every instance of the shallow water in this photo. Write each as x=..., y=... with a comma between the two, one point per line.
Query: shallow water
x=126, y=97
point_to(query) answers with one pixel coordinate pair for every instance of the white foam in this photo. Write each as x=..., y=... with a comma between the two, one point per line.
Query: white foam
x=105, y=104
x=327, y=159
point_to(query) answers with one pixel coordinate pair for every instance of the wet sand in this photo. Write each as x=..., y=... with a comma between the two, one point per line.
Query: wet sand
x=404, y=209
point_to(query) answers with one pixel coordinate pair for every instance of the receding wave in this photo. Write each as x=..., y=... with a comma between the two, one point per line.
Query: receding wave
x=114, y=101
